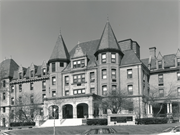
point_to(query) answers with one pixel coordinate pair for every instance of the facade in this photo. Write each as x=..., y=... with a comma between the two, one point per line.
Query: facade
x=69, y=83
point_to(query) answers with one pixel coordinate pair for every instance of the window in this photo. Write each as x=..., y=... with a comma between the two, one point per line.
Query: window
x=129, y=73
x=32, y=113
x=178, y=91
x=178, y=75
x=4, y=109
x=43, y=97
x=104, y=74
x=12, y=89
x=92, y=90
x=20, y=100
x=61, y=64
x=20, y=87
x=160, y=64
x=31, y=99
x=113, y=58
x=104, y=90
x=12, y=101
x=130, y=89
x=78, y=63
x=114, y=88
x=31, y=86
x=113, y=73
x=92, y=77
x=160, y=76
x=178, y=61
x=67, y=93
x=53, y=67
x=44, y=85
x=161, y=92
x=103, y=58
x=20, y=75
x=53, y=93
x=12, y=114
x=44, y=71
x=4, y=83
x=66, y=80
x=32, y=73
x=53, y=80
x=79, y=91
x=4, y=96
x=79, y=78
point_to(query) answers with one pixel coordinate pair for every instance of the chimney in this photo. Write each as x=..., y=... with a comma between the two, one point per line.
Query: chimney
x=152, y=52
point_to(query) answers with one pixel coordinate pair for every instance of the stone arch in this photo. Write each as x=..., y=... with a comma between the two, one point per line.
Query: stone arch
x=53, y=112
x=67, y=111
x=82, y=110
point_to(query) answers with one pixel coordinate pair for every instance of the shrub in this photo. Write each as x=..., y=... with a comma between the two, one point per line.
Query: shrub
x=158, y=120
x=96, y=122
x=16, y=124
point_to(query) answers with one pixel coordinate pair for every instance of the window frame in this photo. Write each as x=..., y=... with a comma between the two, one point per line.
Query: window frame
x=31, y=86
x=79, y=78
x=130, y=91
x=66, y=92
x=53, y=68
x=104, y=90
x=103, y=58
x=79, y=63
x=20, y=87
x=92, y=90
x=53, y=80
x=161, y=94
x=178, y=91
x=44, y=71
x=113, y=60
x=178, y=61
x=79, y=91
x=53, y=93
x=32, y=99
x=20, y=75
x=178, y=75
x=12, y=101
x=113, y=73
x=32, y=73
x=104, y=73
x=4, y=96
x=66, y=80
x=4, y=83
x=160, y=64
x=61, y=64
x=160, y=79
x=43, y=84
x=92, y=77
x=129, y=73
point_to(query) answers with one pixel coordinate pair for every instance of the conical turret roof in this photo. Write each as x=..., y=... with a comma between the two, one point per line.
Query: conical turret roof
x=108, y=40
x=60, y=52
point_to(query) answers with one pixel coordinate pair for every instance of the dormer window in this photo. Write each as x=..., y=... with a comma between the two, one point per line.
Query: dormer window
x=104, y=58
x=32, y=73
x=160, y=64
x=61, y=64
x=113, y=58
x=44, y=71
x=20, y=75
x=178, y=61
x=78, y=63
x=53, y=67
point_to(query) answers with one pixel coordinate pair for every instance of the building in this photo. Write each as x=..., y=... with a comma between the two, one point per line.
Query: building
x=67, y=85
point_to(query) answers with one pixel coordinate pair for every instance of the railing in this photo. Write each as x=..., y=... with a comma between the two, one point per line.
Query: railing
x=62, y=120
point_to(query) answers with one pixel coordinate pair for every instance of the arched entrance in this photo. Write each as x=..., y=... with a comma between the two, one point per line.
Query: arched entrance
x=67, y=111
x=82, y=110
x=54, y=112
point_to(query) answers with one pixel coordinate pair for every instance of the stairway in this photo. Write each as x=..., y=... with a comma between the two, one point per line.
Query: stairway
x=62, y=122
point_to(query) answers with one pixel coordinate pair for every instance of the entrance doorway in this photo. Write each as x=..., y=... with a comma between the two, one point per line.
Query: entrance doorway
x=82, y=110
x=67, y=111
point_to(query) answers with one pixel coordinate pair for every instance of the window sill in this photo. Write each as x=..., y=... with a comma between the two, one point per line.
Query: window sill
x=78, y=83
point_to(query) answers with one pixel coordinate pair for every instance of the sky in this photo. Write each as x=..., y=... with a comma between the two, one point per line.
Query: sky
x=29, y=28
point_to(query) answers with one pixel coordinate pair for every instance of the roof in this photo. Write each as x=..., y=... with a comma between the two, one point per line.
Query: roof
x=129, y=58
x=7, y=68
x=60, y=51
x=108, y=39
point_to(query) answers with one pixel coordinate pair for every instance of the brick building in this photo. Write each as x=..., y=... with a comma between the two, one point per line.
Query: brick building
x=69, y=82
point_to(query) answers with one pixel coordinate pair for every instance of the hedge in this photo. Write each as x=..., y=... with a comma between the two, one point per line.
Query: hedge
x=152, y=120
x=15, y=124
x=96, y=122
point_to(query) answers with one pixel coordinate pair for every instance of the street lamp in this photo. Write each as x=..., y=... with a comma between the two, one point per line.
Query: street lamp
x=54, y=109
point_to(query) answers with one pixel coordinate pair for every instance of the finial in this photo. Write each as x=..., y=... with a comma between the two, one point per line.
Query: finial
x=60, y=32
x=107, y=18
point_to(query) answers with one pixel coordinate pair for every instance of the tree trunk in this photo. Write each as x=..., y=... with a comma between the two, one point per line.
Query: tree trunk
x=159, y=110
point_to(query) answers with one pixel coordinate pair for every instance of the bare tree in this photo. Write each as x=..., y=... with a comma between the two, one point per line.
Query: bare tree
x=116, y=101
x=27, y=107
x=167, y=96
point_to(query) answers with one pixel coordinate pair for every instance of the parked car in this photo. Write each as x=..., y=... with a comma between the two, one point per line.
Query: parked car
x=103, y=130
x=171, y=131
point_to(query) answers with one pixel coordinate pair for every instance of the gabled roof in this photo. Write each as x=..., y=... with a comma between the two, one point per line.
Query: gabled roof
x=169, y=60
x=60, y=52
x=108, y=40
x=89, y=49
x=129, y=58
x=78, y=52
x=7, y=68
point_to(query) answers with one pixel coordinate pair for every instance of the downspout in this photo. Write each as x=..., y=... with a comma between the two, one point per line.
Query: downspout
x=139, y=93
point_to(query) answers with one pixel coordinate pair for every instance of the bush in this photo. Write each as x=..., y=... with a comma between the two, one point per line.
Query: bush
x=152, y=120
x=16, y=124
x=96, y=122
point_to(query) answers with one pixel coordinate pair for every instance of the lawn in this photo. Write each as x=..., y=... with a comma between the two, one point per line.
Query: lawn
x=132, y=129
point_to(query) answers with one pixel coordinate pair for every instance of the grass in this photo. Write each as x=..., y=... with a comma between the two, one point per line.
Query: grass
x=132, y=129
